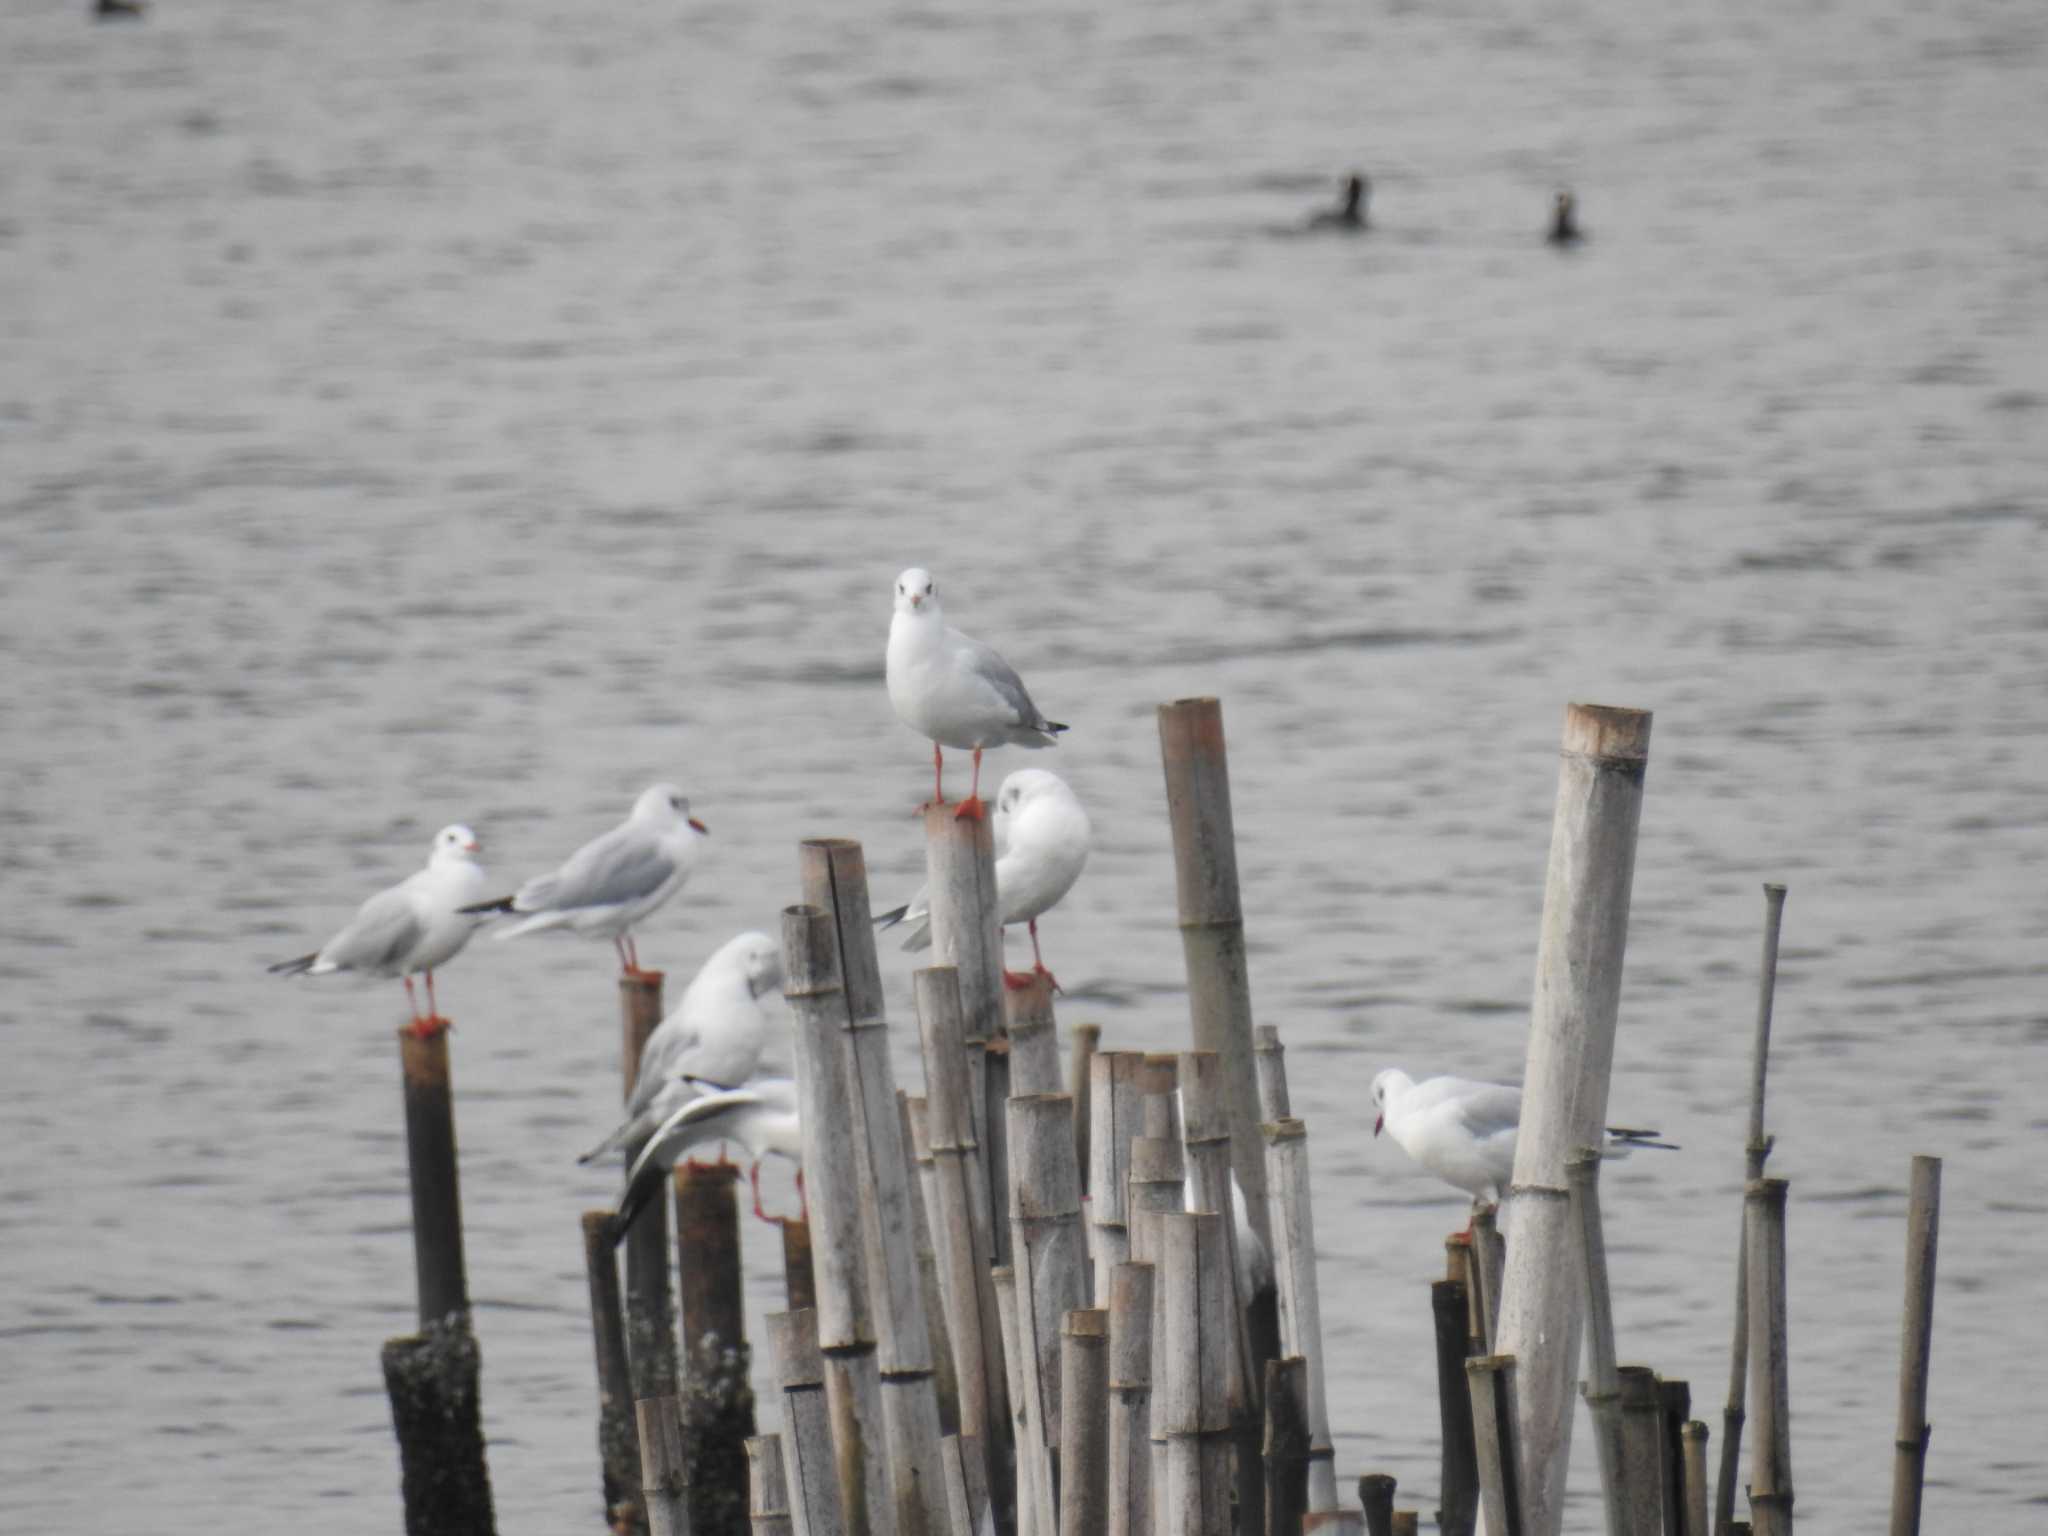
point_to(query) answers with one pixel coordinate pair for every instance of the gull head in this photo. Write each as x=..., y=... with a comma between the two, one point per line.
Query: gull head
x=759, y=959
x=915, y=593
x=455, y=841
x=663, y=805
x=1027, y=784
x=1388, y=1083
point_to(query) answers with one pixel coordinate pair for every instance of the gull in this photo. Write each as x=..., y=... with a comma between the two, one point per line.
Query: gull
x=411, y=927
x=1464, y=1131
x=761, y=1116
x=714, y=1035
x=613, y=881
x=955, y=690
x=1043, y=833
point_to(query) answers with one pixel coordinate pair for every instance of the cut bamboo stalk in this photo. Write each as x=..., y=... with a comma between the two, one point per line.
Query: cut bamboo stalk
x=834, y=874
x=1037, y=1505
x=1376, y=1499
x=768, y=1496
x=1674, y=1402
x=924, y=1196
x=1271, y=1057
x=1130, y=1408
x=1923, y=1231
x=1084, y=1420
x=1603, y=1391
x=1196, y=1401
x=962, y=1228
x=717, y=1402
x=961, y=1459
x=809, y=1464
x=1034, y=1037
x=650, y=1307
x=1286, y=1446
x=1212, y=925
x=618, y=1445
x=960, y=870
x=1564, y=1099
x=1156, y=1189
x=1695, y=1479
x=1462, y=1266
x=1770, y=1463
x=1301, y=1310
x=1493, y=1439
x=1086, y=1042
x=832, y=1170
x=1642, y=1449
x=1050, y=1251
x=1756, y=1150
x=1458, y=1498
x=1116, y=1101
x=1489, y=1264
x=664, y=1479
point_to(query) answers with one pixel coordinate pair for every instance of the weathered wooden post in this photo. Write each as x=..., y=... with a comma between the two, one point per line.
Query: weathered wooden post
x=1197, y=1356
x=717, y=1401
x=664, y=1478
x=1603, y=1390
x=768, y=1499
x=1212, y=925
x=1642, y=1449
x=1130, y=1409
x=832, y=1172
x=1696, y=1479
x=799, y=1278
x=1084, y=1420
x=1493, y=1438
x=1923, y=1230
x=1756, y=1150
x=1458, y=1499
x=617, y=1443
x=960, y=870
x=432, y=1377
x=1674, y=1400
x=1770, y=1391
x=1286, y=1448
x=1301, y=1308
x=1116, y=1101
x=650, y=1310
x=1564, y=1099
x=809, y=1459
x=1376, y=1499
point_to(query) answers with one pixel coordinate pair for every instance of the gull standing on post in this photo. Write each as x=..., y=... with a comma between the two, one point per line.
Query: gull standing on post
x=955, y=690
x=712, y=1039
x=414, y=926
x=1042, y=833
x=761, y=1116
x=613, y=881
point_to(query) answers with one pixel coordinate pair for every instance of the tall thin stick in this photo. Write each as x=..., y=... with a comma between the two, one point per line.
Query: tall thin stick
x=1086, y=1041
x=1130, y=1407
x=1923, y=1230
x=1300, y=1295
x=1603, y=1394
x=1493, y=1436
x=1695, y=1480
x=1755, y=1151
x=1642, y=1449
x=1770, y=1389
x=1458, y=1498
x=618, y=1445
x=1286, y=1447
x=960, y=869
x=1564, y=1100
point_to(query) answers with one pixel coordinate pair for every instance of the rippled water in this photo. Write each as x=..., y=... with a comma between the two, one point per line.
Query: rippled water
x=412, y=413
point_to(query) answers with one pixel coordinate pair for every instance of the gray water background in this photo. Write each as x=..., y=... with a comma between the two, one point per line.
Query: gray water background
x=412, y=413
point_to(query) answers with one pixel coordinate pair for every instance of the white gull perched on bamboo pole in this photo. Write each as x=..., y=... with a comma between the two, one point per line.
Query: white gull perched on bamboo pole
x=1042, y=834
x=612, y=881
x=1464, y=1131
x=410, y=928
x=714, y=1036
x=760, y=1115
x=955, y=690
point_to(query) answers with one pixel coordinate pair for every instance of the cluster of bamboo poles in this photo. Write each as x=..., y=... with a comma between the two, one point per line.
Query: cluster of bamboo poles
x=1025, y=1314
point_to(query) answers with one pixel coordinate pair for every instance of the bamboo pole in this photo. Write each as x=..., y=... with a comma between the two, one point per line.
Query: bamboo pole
x=717, y=1400
x=1642, y=1449
x=961, y=1230
x=1770, y=1464
x=1156, y=1189
x=832, y=1170
x=809, y=1462
x=1493, y=1438
x=1085, y=1043
x=1050, y=1252
x=664, y=1479
x=1286, y=1446
x=1923, y=1231
x=1212, y=924
x=924, y=1195
x=799, y=1277
x=1130, y=1409
x=1376, y=1499
x=1695, y=1479
x=1116, y=1102
x=962, y=1460
x=1037, y=1504
x=1458, y=1498
x=1301, y=1309
x=960, y=871
x=1084, y=1420
x=1196, y=1403
x=650, y=1307
x=1271, y=1058
x=1034, y=1037
x=617, y=1443
x=768, y=1497
x=1564, y=1099
x=1489, y=1265
x=835, y=881
x=1674, y=1401
x=1603, y=1391
x=1755, y=1151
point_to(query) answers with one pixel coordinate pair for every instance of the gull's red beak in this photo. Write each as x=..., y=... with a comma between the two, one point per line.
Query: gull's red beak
x=1378, y=1121
x=700, y=826
x=474, y=845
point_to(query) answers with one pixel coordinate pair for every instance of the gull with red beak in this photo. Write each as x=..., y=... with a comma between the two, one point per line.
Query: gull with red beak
x=410, y=928
x=955, y=690
x=613, y=881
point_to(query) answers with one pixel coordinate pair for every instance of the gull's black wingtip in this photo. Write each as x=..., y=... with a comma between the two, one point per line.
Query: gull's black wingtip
x=1631, y=1137
x=297, y=967
x=502, y=904
x=1054, y=726
x=893, y=916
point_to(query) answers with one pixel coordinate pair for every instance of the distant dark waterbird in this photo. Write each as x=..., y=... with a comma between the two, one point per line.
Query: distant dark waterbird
x=1564, y=221
x=119, y=10
x=1350, y=215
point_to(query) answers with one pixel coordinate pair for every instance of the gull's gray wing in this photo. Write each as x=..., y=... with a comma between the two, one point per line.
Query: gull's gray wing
x=710, y=1118
x=385, y=929
x=1490, y=1110
x=1003, y=680
x=661, y=1059
x=626, y=864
